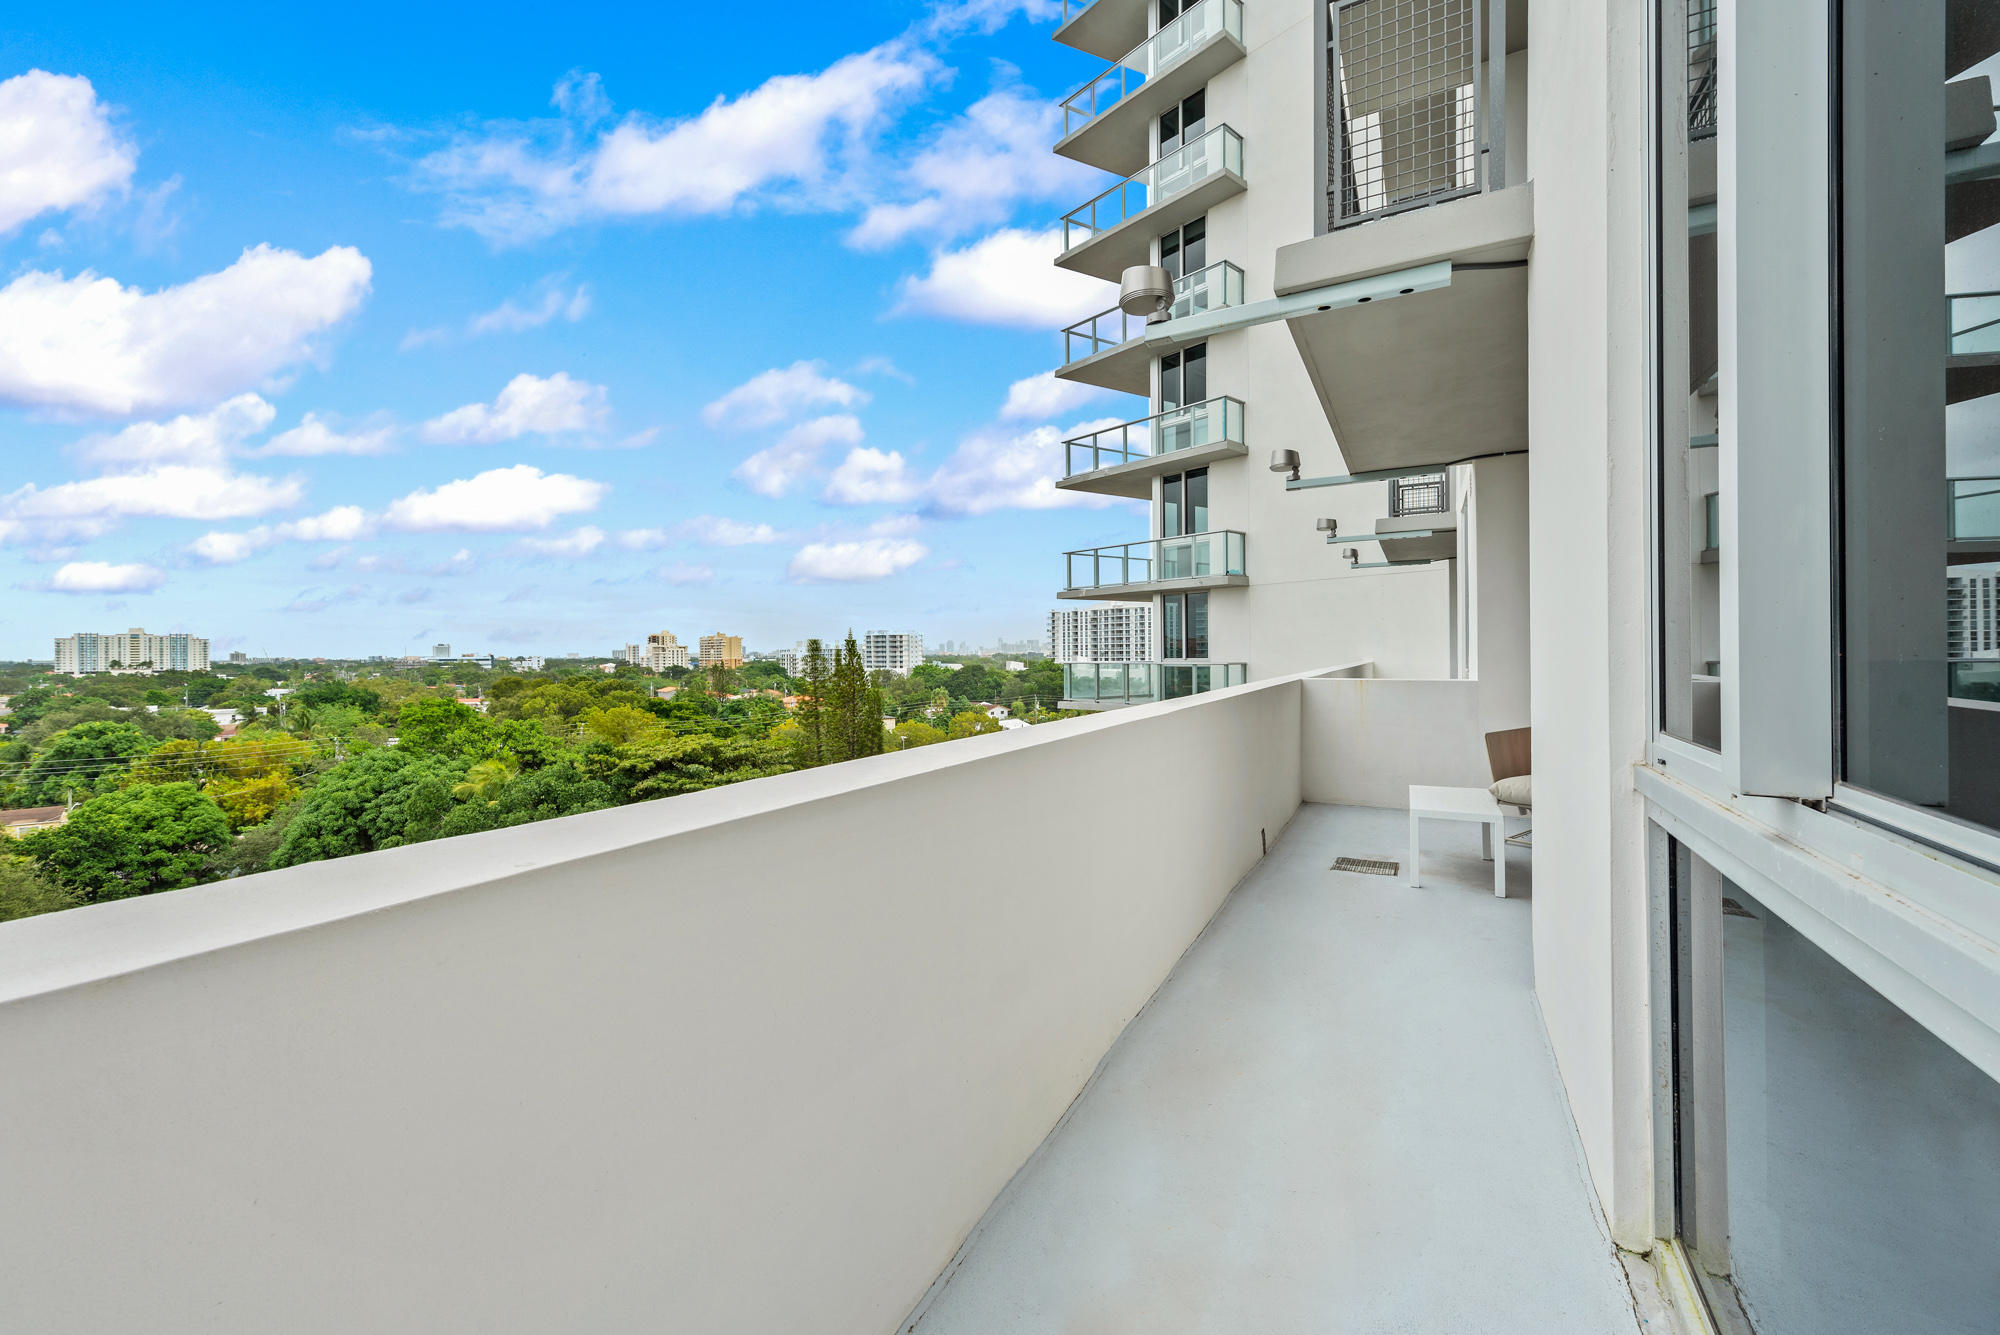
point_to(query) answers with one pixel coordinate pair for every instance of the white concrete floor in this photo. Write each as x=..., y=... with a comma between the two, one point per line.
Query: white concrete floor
x=1338, y=1115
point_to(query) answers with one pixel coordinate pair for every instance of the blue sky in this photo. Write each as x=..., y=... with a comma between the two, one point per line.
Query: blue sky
x=344, y=334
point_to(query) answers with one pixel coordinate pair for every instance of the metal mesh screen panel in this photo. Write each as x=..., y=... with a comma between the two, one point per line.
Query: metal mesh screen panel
x=1401, y=121
x=1701, y=69
x=1419, y=495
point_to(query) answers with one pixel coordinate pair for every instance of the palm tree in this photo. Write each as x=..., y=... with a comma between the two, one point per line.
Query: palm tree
x=484, y=780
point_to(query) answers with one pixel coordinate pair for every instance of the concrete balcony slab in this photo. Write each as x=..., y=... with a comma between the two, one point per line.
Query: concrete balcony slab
x=1338, y=1114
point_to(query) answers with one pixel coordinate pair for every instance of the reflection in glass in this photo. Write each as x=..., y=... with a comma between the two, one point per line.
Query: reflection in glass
x=1920, y=365
x=1690, y=633
x=1847, y=1179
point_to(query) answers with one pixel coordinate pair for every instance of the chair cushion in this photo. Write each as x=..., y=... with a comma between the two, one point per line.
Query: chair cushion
x=1514, y=792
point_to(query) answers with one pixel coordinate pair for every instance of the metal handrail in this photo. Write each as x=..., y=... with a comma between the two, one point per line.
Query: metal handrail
x=1211, y=288
x=1158, y=182
x=1150, y=59
x=1160, y=559
x=1369, y=175
x=1154, y=431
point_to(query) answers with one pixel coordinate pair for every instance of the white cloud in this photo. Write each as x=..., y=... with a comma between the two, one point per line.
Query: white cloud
x=1007, y=278
x=994, y=469
x=88, y=344
x=872, y=477
x=343, y=523
x=866, y=559
x=192, y=438
x=508, y=318
x=1044, y=396
x=788, y=137
x=642, y=539
x=103, y=577
x=773, y=471
x=579, y=543
x=550, y=300
x=779, y=394
x=314, y=436
x=686, y=574
x=177, y=491
x=529, y=403
x=499, y=500
x=977, y=170
x=223, y=549
x=715, y=531
x=58, y=148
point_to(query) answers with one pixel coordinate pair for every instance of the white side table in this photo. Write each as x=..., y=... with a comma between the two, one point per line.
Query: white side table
x=1473, y=804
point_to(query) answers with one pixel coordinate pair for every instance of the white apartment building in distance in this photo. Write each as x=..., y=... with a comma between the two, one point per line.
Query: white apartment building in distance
x=1103, y=633
x=134, y=650
x=663, y=651
x=527, y=662
x=891, y=651
x=1644, y=358
x=1972, y=616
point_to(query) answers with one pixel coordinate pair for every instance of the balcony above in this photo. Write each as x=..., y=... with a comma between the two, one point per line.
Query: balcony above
x=1432, y=537
x=1126, y=570
x=1116, y=230
x=1413, y=381
x=1105, y=350
x=1106, y=29
x=1123, y=460
x=1115, y=685
x=1108, y=122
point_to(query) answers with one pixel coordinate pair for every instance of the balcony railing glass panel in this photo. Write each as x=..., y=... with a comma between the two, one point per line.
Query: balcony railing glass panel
x=1975, y=508
x=1142, y=683
x=1152, y=58
x=1975, y=323
x=1212, y=421
x=1192, y=556
x=1219, y=150
x=1209, y=289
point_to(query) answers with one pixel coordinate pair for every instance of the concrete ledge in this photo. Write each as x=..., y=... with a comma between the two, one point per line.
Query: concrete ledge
x=1495, y=227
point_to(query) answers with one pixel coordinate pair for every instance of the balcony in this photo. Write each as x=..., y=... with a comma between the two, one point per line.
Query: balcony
x=1123, y=460
x=594, y=1074
x=1972, y=363
x=1419, y=175
x=1116, y=230
x=1108, y=122
x=1156, y=565
x=1106, y=29
x=1420, y=525
x=1112, y=685
x=1974, y=533
x=1105, y=350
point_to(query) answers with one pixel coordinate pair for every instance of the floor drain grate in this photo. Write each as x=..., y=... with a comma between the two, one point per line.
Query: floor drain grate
x=1366, y=866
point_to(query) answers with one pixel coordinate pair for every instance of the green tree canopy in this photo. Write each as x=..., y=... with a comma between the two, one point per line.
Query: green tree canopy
x=24, y=891
x=88, y=758
x=132, y=842
x=382, y=798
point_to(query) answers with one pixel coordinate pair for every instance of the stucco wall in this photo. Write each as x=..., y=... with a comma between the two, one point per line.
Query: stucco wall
x=1588, y=583
x=749, y=1060
x=1368, y=739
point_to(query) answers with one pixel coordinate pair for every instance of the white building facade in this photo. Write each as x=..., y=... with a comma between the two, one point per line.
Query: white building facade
x=891, y=651
x=1105, y=633
x=133, y=650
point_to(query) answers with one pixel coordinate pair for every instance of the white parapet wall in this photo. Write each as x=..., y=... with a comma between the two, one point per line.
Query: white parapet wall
x=750, y=1060
x=1367, y=739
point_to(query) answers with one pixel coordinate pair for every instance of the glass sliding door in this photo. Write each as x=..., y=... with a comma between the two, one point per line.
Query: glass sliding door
x=1687, y=555
x=1837, y=1164
x=1920, y=369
